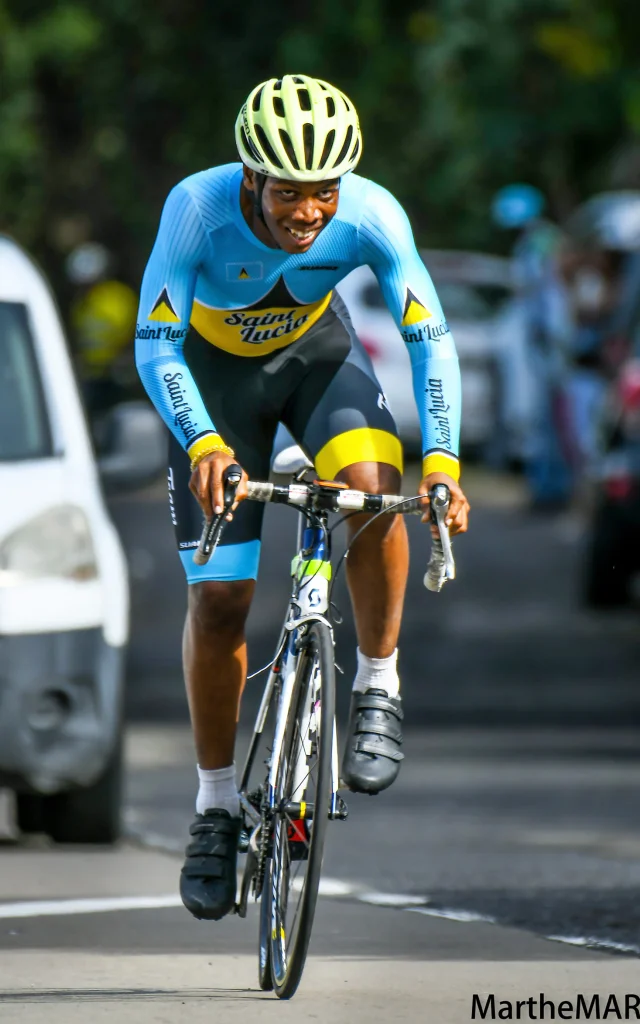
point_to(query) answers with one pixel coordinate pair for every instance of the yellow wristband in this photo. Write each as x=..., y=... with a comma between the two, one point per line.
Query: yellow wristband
x=215, y=447
x=441, y=462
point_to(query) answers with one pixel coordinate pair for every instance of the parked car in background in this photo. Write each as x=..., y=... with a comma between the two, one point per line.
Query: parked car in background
x=604, y=234
x=613, y=547
x=476, y=291
x=63, y=578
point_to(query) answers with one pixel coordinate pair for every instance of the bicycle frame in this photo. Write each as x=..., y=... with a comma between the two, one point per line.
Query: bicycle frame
x=309, y=601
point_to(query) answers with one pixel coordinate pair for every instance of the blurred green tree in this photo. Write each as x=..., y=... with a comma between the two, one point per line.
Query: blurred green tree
x=105, y=104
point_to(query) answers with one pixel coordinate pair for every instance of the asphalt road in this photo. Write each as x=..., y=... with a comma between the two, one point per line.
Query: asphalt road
x=492, y=867
x=506, y=858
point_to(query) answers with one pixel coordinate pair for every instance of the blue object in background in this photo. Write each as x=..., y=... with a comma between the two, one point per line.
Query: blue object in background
x=516, y=205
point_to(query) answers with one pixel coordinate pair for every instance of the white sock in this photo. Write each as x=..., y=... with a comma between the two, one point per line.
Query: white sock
x=377, y=674
x=218, y=789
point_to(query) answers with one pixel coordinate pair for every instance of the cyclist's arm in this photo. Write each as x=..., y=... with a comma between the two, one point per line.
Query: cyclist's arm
x=166, y=299
x=387, y=245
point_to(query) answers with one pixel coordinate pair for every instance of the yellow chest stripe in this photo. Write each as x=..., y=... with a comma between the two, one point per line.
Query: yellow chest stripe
x=255, y=332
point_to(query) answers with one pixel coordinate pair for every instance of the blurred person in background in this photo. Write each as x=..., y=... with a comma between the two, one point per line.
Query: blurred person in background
x=103, y=316
x=535, y=380
x=240, y=328
x=601, y=270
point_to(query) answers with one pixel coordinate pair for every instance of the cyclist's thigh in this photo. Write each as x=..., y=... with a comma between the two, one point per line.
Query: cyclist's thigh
x=233, y=392
x=338, y=413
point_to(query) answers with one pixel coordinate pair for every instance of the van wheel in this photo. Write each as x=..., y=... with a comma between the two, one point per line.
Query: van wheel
x=30, y=813
x=90, y=815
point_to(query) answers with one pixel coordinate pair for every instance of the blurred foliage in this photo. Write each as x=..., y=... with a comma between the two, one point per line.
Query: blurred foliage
x=105, y=104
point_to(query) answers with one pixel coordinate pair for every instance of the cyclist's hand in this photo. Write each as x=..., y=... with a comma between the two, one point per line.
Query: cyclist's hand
x=207, y=486
x=458, y=516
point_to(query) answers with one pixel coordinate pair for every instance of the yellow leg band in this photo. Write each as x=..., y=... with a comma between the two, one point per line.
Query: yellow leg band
x=365, y=444
x=439, y=462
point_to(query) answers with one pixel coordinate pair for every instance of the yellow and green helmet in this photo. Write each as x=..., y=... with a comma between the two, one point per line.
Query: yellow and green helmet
x=299, y=128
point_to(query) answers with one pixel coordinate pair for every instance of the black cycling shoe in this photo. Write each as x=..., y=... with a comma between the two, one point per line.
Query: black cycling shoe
x=208, y=878
x=372, y=755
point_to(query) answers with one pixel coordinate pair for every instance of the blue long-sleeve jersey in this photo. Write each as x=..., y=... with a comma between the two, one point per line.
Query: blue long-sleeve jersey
x=208, y=269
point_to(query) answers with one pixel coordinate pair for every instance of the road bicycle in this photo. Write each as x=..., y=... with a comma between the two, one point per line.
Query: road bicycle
x=288, y=798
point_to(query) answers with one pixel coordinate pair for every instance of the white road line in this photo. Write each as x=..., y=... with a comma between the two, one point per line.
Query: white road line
x=591, y=942
x=465, y=916
x=332, y=888
x=97, y=905
x=392, y=899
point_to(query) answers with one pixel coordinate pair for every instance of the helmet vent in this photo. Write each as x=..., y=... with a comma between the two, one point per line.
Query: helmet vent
x=256, y=99
x=345, y=148
x=304, y=99
x=328, y=146
x=298, y=81
x=278, y=84
x=249, y=147
x=278, y=105
x=355, y=150
x=331, y=107
x=288, y=145
x=308, y=137
x=267, y=147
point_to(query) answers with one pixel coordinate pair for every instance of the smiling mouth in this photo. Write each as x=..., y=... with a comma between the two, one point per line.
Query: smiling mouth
x=303, y=236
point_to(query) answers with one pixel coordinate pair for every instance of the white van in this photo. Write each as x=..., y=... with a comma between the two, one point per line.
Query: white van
x=63, y=582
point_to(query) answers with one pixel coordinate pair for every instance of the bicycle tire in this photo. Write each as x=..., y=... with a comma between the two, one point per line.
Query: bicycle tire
x=265, y=978
x=288, y=959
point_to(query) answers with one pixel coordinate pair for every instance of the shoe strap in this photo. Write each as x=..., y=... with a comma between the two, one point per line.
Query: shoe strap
x=387, y=729
x=363, y=747
x=220, y=827
x=367, y=702
x=205, y=867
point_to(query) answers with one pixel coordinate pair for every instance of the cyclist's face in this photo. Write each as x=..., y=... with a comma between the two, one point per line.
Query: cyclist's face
x=295, y=212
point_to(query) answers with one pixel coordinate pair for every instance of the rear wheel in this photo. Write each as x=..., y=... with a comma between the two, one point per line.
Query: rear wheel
x=302, y=798
x=265, y=978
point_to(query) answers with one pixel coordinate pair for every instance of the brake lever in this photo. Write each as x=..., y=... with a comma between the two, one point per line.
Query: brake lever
x=213, y=526
x=441, y=565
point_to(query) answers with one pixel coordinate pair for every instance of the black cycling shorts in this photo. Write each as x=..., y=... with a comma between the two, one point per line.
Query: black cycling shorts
x=322, y=387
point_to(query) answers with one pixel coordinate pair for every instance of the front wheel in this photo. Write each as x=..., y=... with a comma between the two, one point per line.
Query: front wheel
x=303, y=804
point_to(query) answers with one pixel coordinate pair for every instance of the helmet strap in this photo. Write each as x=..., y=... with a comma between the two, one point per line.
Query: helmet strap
x=260, y=181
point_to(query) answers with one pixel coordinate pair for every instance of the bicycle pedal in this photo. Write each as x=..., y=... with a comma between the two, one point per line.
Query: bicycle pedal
x=341, y=812
x=243, y=841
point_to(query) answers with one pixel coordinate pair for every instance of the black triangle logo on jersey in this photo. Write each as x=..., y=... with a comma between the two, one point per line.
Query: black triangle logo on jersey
x=279, y=297
x=163, y=309
x=414, y=312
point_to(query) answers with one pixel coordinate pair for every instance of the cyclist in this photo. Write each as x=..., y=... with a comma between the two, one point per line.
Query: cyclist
x=240, y=329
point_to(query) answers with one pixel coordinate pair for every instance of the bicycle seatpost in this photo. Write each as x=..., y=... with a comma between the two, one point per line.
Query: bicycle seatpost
x=214, y=526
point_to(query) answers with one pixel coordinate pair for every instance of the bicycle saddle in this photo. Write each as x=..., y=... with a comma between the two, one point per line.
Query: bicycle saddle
x=291, y=460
